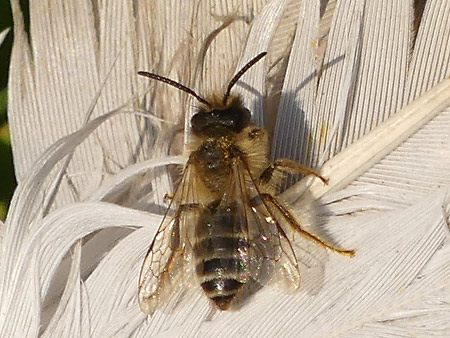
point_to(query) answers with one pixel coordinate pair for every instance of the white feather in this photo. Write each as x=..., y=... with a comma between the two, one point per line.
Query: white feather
x=3, y=35
x=377, y=118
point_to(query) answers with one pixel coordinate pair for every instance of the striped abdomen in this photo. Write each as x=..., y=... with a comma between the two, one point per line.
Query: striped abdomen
x=221, y=254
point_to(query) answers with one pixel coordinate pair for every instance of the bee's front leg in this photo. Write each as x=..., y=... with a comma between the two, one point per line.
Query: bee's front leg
x=281, y=167
x=168, y=198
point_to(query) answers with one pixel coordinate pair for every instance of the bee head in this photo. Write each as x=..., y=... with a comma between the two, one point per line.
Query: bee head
x=218, y=116
x=219, y=120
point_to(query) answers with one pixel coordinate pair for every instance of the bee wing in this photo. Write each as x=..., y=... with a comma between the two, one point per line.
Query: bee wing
x=270, y=250
x=166, y=269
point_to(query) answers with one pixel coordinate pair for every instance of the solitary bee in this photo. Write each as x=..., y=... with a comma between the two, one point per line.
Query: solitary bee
x=225, y=227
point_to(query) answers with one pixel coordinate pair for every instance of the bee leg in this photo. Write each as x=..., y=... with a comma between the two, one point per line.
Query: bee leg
x=279, y=167
x=189, y=207
x=272, y=201
x=168, y=198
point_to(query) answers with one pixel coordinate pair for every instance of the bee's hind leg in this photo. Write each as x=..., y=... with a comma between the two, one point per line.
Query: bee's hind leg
x=278, y=169
x=274, y=205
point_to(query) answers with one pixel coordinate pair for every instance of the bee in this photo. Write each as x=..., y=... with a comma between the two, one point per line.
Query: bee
x=224, y=227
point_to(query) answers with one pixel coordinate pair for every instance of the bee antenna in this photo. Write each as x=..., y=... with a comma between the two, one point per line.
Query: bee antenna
x=240, y=73
x=176, y=85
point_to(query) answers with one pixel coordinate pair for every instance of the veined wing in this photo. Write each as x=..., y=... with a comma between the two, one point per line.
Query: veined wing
x=167, y=267
x=269, y=250
x=270, y=229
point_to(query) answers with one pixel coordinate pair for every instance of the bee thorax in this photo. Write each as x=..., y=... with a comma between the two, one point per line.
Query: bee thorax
x=214, y=159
